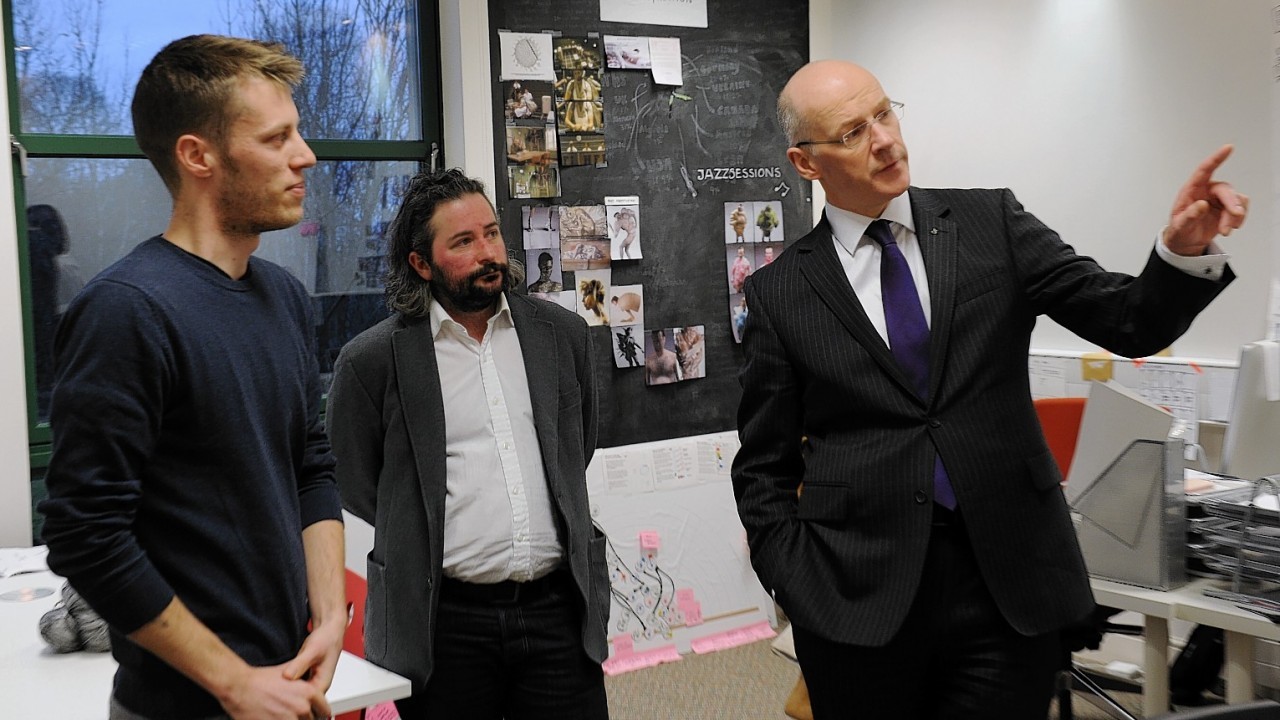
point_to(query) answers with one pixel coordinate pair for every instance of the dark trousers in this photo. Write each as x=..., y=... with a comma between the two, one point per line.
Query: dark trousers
x=517, y=661
x=954, y=657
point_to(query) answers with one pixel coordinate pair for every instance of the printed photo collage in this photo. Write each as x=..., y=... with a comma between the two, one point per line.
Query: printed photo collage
x=553, y=107
x=586, y=240
x=752, y=239
x=555, y=123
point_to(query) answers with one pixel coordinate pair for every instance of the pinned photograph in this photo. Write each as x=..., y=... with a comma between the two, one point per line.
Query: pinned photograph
x=541, y=226
x=624, y=227
x=533, y=168
x=767, y=252
x=568, y=300
x=526, y=56
x=737, y=315
x=584, y=253
x=691, y=351
x=530, y=145
x=660, y=365
x=584, y=237
x=627, y=52
x=628, y=350
x=544, y=271
x=528, y=101
x=626, y=305
x=579, y=100
x=736, y=221
x=768, y=221
x=533, y=181
x=740, y=261
x=593, y=292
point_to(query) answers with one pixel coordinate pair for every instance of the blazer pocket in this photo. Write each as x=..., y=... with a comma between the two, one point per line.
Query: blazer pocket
x=570, y=398
x=1043, y=471
x=375, y=612
x=598, y=571
x=824, y=503
x=599, y=593
x=980, y=286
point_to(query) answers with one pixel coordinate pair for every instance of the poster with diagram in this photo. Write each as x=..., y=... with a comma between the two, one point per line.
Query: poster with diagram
x=680, y=576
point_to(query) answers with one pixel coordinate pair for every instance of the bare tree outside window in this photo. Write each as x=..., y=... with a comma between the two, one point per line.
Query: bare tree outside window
x=76, y=64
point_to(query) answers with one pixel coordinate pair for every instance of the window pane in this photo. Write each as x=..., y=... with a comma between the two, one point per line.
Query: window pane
x=109, y=206
x=78, y=61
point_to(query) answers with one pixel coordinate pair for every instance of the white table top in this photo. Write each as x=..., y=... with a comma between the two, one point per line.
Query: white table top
x=1186, y=603
x=36, y=682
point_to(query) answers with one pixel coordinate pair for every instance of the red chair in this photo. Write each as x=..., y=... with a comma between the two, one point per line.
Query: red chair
x=1060, y=421
x=353, y=640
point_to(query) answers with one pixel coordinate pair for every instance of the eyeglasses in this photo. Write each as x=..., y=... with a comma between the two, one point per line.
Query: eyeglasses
x=854, y=137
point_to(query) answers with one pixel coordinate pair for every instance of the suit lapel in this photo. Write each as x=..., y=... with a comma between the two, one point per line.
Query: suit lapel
x=821, y=267
x=939, y=243
x=538, y=348
x=418, y=381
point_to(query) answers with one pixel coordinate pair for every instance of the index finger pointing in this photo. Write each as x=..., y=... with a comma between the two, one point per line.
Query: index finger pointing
x=1204, y=172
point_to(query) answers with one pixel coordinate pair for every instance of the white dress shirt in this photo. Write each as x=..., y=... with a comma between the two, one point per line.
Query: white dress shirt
x=860, y=257
x=498, y=519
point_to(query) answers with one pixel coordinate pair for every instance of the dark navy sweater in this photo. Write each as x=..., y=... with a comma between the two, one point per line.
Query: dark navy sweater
x=188, y=456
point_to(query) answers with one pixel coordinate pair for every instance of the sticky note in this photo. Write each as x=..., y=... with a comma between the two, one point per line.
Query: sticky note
x=636, y=661
x=623, y=645
x=684, y=596
x=384, y=711
x=733, y=638
x=649, y=540
x=692, y=614
x=1096, y=366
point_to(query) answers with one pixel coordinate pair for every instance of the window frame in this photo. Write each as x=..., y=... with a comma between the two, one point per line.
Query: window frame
x=45, y=145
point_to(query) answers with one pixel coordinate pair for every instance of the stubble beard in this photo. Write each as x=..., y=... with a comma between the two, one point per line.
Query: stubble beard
x=250, y=213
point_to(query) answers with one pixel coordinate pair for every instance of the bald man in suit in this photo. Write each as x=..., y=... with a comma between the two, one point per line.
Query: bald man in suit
x=930, y=564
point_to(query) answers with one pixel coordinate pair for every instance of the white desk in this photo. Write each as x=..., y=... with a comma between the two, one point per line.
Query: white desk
x=1157, y=607
x=1189, y=603
x=36, y=682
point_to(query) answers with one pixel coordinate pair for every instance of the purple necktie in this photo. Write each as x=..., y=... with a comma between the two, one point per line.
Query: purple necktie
x=908, y=333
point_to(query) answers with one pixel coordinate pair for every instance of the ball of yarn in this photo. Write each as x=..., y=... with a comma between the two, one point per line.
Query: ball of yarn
x=59, y=630
x=72, y=625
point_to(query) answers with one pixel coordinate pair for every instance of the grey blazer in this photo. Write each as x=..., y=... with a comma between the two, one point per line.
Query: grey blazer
x=386, y=421
x=845, y=559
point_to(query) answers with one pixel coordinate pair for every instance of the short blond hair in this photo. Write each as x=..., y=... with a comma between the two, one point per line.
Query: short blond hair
x=190, y=87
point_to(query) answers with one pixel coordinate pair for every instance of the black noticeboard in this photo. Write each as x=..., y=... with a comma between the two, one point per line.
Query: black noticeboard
x=684, y=152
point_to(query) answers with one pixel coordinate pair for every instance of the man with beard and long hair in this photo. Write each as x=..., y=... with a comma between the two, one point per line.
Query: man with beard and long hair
x=191, y=492
x=463, y=425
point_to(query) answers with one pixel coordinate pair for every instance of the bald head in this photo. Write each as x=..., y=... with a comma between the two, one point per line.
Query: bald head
x=816, y=91
x=821, y=108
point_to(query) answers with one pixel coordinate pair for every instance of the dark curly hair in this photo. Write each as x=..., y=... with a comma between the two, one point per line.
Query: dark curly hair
x=407, y=292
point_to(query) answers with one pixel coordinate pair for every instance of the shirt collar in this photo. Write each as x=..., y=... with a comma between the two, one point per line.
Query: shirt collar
x=849, y=227
x=440, y=319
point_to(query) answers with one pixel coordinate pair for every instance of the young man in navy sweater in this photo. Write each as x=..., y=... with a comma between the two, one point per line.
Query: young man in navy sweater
x=191, y=492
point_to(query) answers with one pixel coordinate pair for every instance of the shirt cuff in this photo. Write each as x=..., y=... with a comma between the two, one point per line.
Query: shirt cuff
x=1209, y=266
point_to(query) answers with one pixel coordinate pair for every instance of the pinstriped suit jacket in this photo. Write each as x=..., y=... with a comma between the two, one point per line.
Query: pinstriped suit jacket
x=845, y=559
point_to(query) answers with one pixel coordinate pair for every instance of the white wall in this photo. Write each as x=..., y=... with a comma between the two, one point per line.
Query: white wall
x=467, y=88
x=15, y=470
x=1094, y=112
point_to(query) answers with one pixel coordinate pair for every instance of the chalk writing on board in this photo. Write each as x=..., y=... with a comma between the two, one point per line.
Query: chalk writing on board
x=682, y=151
